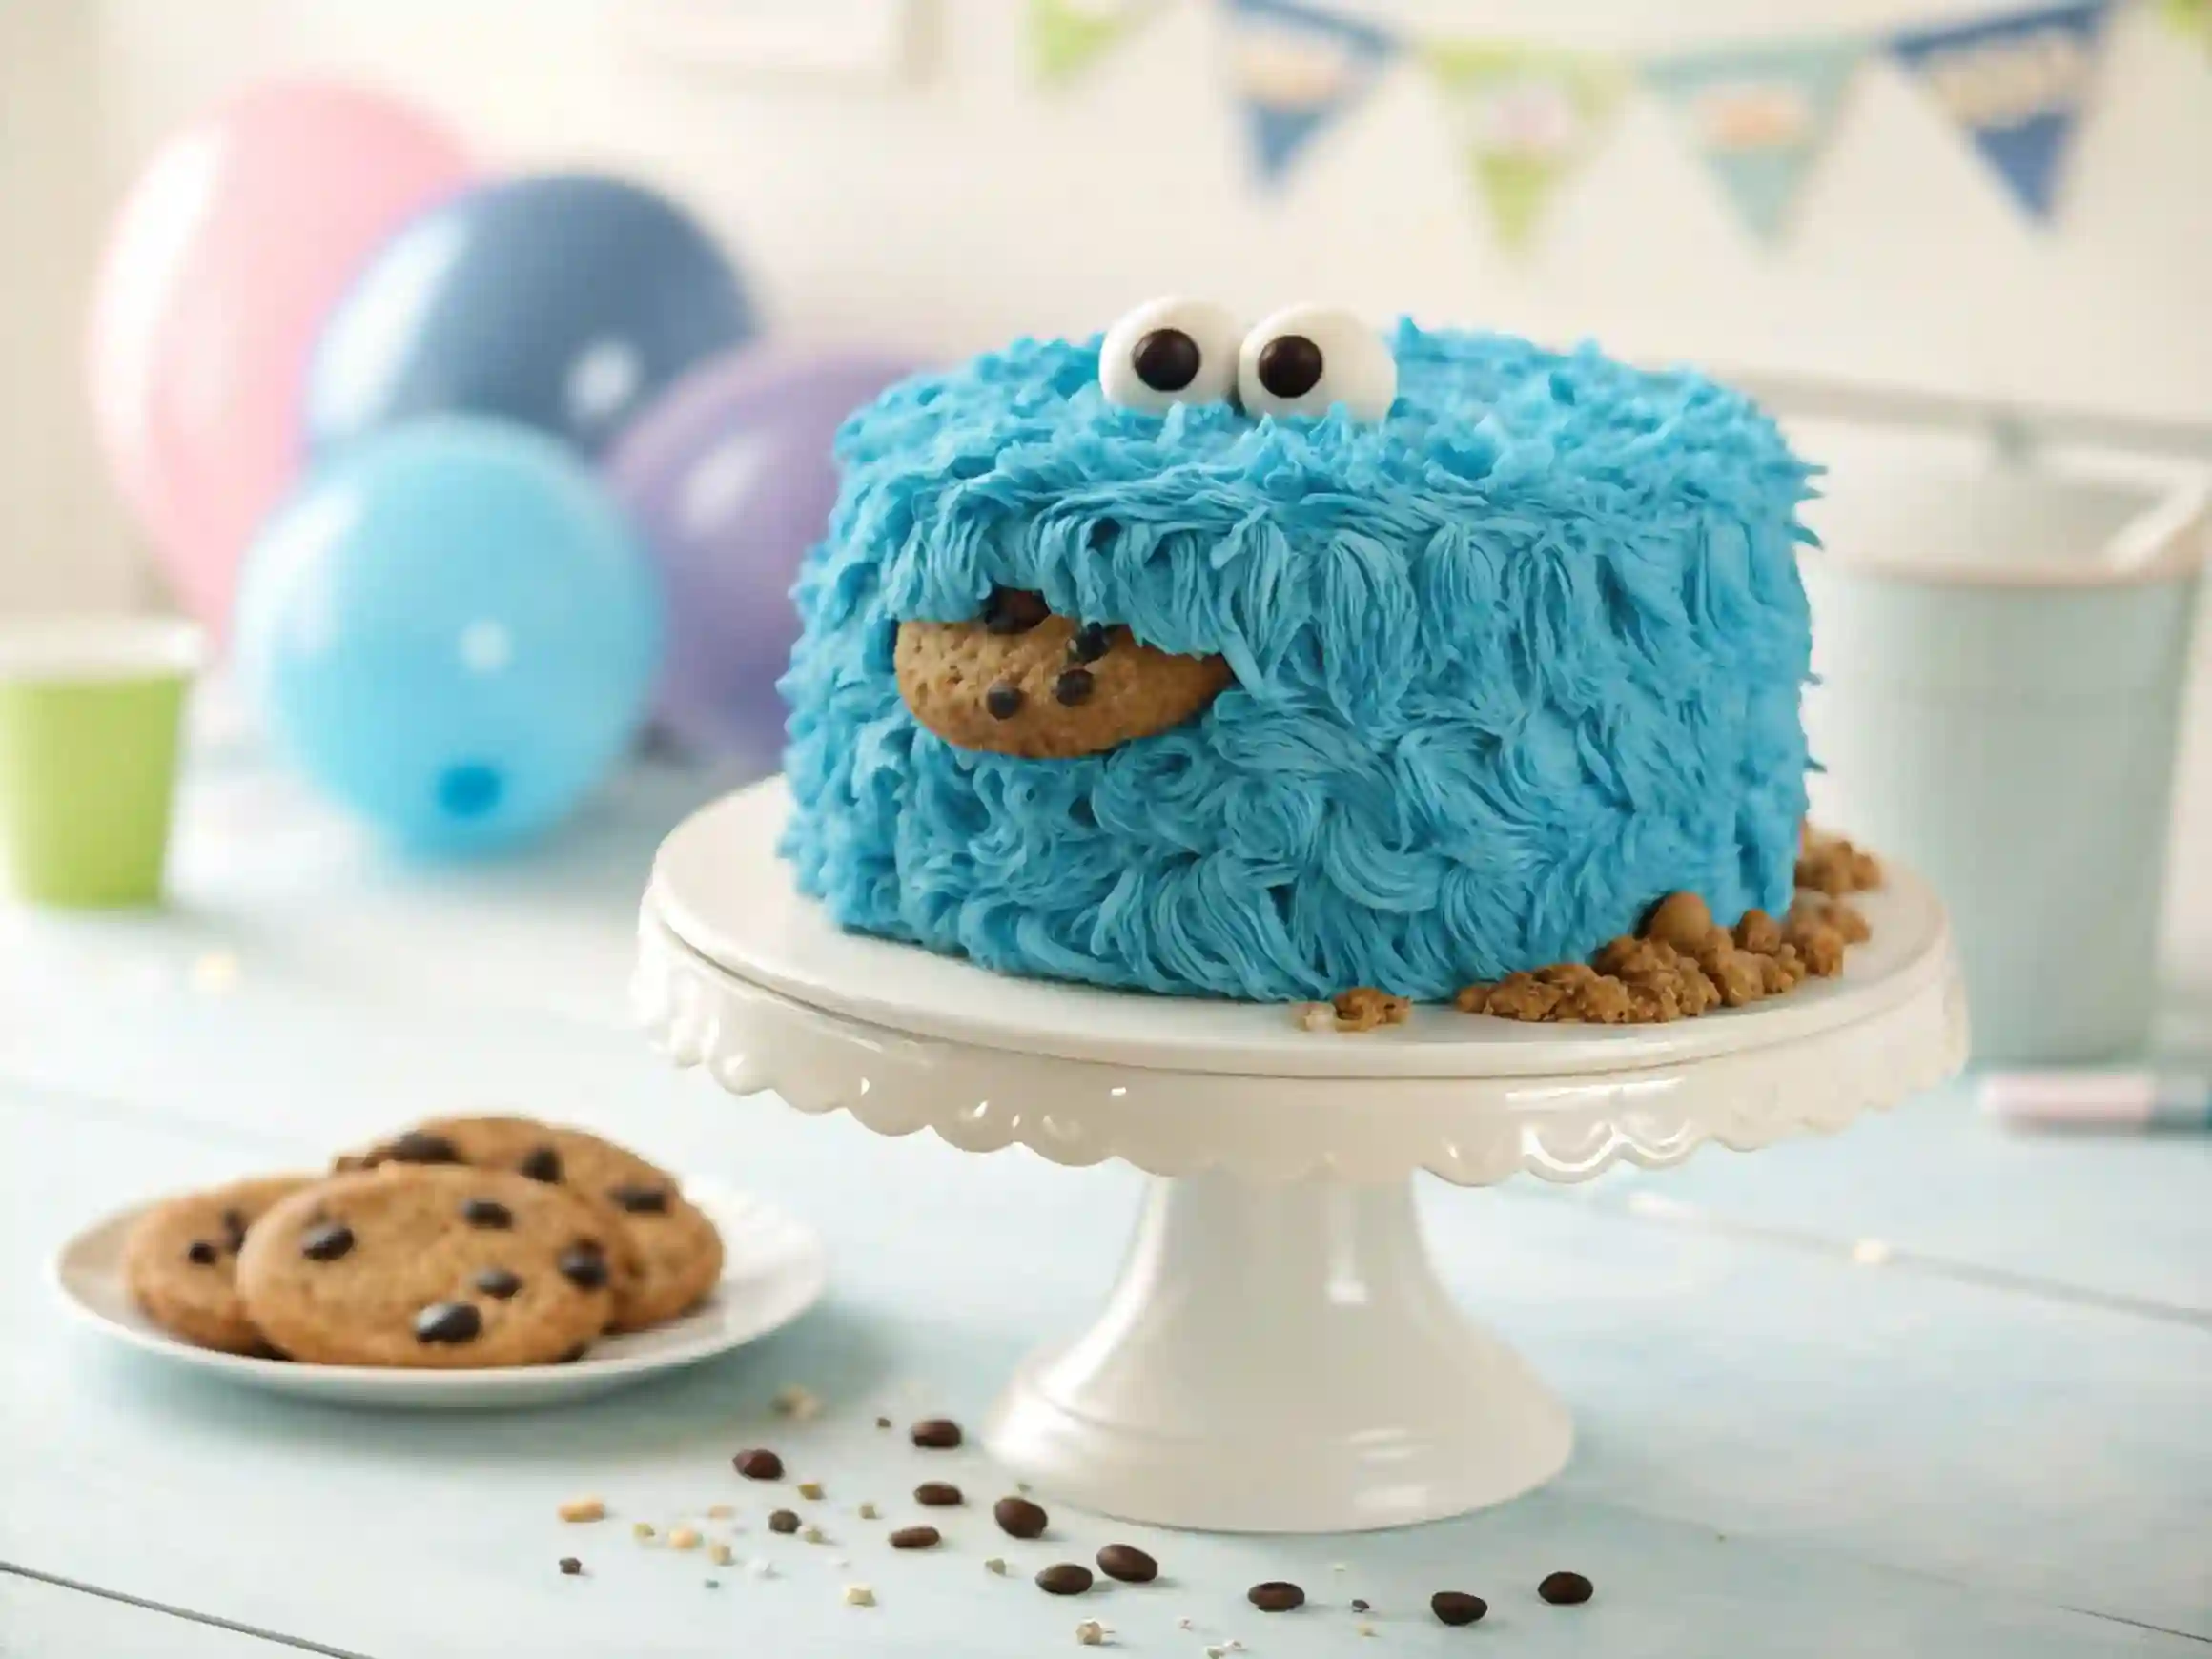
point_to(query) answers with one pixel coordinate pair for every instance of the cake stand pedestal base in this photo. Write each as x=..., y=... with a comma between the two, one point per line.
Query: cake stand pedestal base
x=1280, y=1357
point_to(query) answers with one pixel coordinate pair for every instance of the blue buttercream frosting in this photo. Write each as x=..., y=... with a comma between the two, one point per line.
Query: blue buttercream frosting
x=1510, y=665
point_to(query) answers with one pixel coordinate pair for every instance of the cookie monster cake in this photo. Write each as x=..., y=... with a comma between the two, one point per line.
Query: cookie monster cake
x=1267, y=663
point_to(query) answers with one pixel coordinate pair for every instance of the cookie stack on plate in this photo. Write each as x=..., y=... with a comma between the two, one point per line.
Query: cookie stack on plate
x=462, y=1242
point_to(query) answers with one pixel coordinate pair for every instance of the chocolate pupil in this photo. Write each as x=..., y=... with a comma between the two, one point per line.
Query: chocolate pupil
x=1166, y=359
x=1290, y=365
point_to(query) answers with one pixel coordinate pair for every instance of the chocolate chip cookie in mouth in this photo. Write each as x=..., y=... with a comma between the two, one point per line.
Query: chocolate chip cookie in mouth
x=1020, y=680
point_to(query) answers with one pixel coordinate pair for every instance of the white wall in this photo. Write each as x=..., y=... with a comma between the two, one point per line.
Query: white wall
x=967, y=204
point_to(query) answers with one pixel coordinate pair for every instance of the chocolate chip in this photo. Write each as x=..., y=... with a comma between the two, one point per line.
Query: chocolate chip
x=416, y=1147
x=1074, y=685
x=935, y=1434
x=883, y=1423
x=497, y=1283
x=1128, y=1564
x=783, y=1521
x=1166, y=359
x=1013, y=610
x=201, y=1254
x=486, y=1213
x=1089, y=643
x=1019, y=1518
x=1065, y=1578
x=1454, y=1607
x=1003, y=701
x=571, y=1566
x=1290, y=365
x=641, y=1200
x=1276, y=1596
x=1360, y=1605
x=758, y=1465
x=1565, y=1589
x=540, y=1163
x=937, y=1495
x=584, y=1264
x=448, y=1322
x=916, y=1538
x=326, y=1243
x=234, y=1231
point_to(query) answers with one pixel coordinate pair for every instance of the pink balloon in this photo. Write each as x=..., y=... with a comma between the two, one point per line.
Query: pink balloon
x=227, y=255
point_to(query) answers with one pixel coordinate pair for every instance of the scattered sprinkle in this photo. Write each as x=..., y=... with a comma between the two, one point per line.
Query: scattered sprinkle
x=1091, y=1632
x=859, y=1595
x=809, y=1488
x=713, y=1584
x=684, y=1537
x=814, y=1535
x=883, y=1423
x=868, y=1510
x=995, y=1563
x=640, y=1530
x=1022, y=1486
x=796, y=1402
x=1215, y=1650
x=571, y=1566
x=720, y=1511
x=582, y=1509
x=719, y=1553
x=1183, y=1624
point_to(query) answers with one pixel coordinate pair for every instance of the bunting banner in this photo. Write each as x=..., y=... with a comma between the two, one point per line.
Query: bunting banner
x=2192, y=18
x=1066, y=36
x=1758, y=117
x=1524, y=119
x=2018, y=85
x=1296, y=69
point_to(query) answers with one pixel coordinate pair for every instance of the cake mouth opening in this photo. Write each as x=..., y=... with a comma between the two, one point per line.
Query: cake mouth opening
x=1019, y=679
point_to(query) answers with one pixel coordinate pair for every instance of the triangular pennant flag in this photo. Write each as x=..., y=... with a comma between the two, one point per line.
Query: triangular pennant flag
x=1759, y=115
x=2190, y=17
x=1066, y=36
x=1527, y=117
x=2017, y=84
x=1296, y=69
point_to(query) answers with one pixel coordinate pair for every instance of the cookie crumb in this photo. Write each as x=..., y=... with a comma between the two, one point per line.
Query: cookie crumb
x=1363, y=1008
x=1091, y=1632
x=713, y=1584
x=813, y=1535
x=809, y=1488
x=571, y=1568
x=1215, y=1650
x=1183, y=1624
x=760, y=1567
x=1314, y=1016
x=883, y=1423
x=1830, y=865
x=995, y=1563
x=582, y=1509
x=641, y=1529
x=1366, y=1629
x=798, y=1404
x=684, y=1537
x=866, y=1510
x=719, y=1553
x=859, y=1595
x=720, y=1511
x=1870, y=1252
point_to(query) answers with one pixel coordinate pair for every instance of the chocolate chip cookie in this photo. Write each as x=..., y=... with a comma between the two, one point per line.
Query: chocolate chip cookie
x=180, y=1262
x=443, y=1268
x=1022, y=681
x=664, y=1252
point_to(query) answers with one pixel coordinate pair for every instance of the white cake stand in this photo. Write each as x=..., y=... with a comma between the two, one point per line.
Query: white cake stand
x=1278, y=1354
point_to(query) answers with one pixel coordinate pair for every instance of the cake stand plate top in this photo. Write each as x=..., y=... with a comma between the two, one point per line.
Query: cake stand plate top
x=720, y=889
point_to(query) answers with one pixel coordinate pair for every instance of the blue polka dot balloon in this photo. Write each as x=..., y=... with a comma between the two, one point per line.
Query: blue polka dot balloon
x=453, y=631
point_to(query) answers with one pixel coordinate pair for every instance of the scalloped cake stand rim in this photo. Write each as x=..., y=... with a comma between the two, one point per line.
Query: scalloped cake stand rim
x=720, y=888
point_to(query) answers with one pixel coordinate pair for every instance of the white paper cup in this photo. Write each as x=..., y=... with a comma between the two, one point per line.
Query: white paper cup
x=2000, y=659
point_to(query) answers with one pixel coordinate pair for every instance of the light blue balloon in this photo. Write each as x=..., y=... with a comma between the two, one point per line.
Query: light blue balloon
x=453, y=631
x=565, y=301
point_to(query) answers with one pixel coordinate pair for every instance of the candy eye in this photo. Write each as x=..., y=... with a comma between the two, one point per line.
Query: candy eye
x=1168, y=352
x=1306, y=359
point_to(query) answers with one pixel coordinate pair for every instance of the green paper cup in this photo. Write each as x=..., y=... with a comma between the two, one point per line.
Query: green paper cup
x=90, y=712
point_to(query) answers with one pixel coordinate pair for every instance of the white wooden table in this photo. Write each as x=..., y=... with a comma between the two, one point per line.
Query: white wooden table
x=1989, y=1435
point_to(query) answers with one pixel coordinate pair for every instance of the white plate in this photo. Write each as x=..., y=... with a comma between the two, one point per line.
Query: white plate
x=773, y=1270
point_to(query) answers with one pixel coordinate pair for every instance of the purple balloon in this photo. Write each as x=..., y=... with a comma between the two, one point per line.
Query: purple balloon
x=729, y=476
